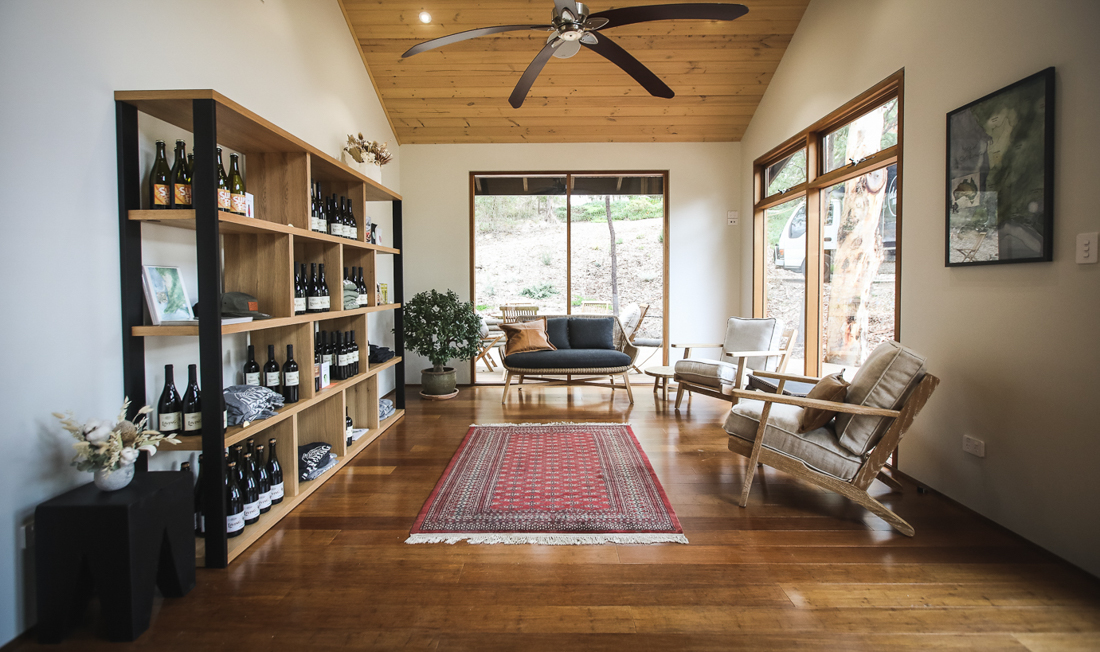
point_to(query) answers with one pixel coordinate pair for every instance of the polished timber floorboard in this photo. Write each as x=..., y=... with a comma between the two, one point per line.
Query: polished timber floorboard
x=799, y=569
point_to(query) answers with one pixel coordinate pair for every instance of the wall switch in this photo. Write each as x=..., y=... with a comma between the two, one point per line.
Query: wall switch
x=732, y=218
x=1086, y=248
x=973, y=446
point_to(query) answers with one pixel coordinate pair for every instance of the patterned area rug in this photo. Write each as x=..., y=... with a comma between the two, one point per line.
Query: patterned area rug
x=553, y=484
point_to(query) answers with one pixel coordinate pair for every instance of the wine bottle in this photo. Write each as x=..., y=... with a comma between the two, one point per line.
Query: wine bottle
x=234, y=508
x=160, y=180
x=251, y=368
x=169, y=407
x=317, y=368
x=236, y=186
x=192, y=403
x=262, y=479
x=200, y=519
x=275, y=473
x=354, y=355
x=348, y=427
x=322, y=288
x=361, y=288
x=353, y=225
x=321, y=225
x=225, y=197
x=191, y=165
x=345, y=351
x=313, y=295
x=349, y=221
x=299, y=294
x=181, y=178
x=337, y=357
x=290, y=376
x=271, y=370
x=251, y=492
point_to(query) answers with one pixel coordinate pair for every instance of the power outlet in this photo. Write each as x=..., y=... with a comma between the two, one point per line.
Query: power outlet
x=732, y=218
x=975, y=447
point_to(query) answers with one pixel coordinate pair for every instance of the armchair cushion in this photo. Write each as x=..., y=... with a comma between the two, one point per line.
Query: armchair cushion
x=526, y=336
x=579, y=359
x=754, y=335
x=885, y=380
x=830, y=388
x=817, y=449
x=593, y=333
x=711, y=373
x=557, y=331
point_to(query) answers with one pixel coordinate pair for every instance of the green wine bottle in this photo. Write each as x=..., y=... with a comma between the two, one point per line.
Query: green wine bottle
x=160, y=181
x=236, y=186
x=181, y=178
x=225, y=202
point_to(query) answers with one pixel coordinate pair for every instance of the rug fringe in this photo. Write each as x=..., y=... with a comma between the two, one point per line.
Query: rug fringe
x=551, y=423
x=518, y=538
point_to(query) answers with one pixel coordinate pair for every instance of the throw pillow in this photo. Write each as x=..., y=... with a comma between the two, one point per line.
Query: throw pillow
x=526, y=336
x=830, y=388
x=591, y=332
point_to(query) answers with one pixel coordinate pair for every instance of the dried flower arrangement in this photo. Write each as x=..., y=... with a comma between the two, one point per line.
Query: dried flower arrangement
x=105, y=446
x=367, y=151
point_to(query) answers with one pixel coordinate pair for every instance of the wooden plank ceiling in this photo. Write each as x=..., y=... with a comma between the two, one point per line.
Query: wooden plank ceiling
x=459, y=93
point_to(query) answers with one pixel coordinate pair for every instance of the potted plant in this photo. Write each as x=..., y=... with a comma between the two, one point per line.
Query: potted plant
x=441, y=328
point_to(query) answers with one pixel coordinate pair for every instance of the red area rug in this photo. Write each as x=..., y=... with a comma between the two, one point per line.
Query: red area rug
x=553, y=484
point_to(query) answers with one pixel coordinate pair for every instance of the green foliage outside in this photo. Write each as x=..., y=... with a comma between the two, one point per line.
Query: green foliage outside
x=441, y=327
x=628, y=208
x=540, y=291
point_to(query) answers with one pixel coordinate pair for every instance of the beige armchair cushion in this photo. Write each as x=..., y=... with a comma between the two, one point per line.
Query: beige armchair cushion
x=754, y=335
x=817, y=449
x=711, y=373
x=885, y=380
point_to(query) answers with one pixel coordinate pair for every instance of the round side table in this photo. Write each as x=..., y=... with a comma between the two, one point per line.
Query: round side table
x=660, y=378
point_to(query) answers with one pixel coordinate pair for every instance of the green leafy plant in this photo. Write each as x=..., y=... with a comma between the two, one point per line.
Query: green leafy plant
x=546, y=259
x=482, y=306
x=441, y=327
x=578, y=300
x=540, y=291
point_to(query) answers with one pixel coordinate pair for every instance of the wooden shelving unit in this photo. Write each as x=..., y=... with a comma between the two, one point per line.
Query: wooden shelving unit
x=257, y=256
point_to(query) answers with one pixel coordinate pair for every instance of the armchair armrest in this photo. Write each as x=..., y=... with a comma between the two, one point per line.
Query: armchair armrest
x=696, y=346
x=752, y=354
x=783, y=376
x=814, y=403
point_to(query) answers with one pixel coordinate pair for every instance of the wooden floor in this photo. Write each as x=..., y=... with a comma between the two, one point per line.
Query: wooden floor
x=799, y=569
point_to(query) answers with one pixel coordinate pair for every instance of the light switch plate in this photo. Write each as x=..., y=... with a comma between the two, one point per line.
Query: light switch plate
x=1086, y=248
x=732, y=218
x=974, y=446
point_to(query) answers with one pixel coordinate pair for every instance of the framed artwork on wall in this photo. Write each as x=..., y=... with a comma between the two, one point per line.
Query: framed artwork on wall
x=1000, y=176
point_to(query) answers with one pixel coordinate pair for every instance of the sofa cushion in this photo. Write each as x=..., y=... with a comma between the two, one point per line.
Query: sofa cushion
x=754, y=335
x=885, y=380
x=526, y=336
x=569, y=359
x=711, y=373
x=831, y=388
x=557, y=331
x=591, y=333
x=817, y=449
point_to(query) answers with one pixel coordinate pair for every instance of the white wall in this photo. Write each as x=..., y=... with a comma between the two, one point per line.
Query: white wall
x=704, y=272
x=292, y=61
x=1015, y=345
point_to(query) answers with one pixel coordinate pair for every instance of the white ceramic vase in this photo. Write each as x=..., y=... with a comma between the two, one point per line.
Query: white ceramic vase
x=115, y=480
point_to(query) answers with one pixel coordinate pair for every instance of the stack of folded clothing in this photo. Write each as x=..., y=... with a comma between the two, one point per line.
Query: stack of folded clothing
x=385, y=409
x=314, y=459
x=244, y=403
x=379, y=354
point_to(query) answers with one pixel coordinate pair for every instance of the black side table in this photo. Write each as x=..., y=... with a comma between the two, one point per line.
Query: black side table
x=119, y=545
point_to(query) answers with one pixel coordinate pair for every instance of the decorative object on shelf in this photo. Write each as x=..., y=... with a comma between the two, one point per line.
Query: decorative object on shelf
x=165, y=294
x=385, y=291
x=551, y=484
x=110, y=449
x=367, y=156
x=247, y=403
x=1000, y=176
x=441, y=327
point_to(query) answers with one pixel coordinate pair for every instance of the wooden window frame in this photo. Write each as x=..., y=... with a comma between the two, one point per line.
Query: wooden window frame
x=893, y=87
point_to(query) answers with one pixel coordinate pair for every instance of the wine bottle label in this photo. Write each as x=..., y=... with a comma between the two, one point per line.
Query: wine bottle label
x=299, y=304
x=239, y=204
x=251, y=510
x=183, y=194
x=234, y=522
x=169, y=422
x=333, y=228
x=161, y=195
x=265, y=500
x=272, y=378
x=318, y=224
x=225, y=201
x=355, y=357
x=192, y=421
x=202, y=523
x=328, y=359
x=252, y=379
x=315, y=303
x=326, y=303
x=277, y=491
x=225, y=419
x=291, y=379
x=342, y=360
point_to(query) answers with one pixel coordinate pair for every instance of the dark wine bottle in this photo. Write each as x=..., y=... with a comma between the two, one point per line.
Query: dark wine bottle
x=348, y=427
x=333, y=216
x=191, y=165
x=299, y=293
x=275, y=473
x=361, y=288
x=160, y=180
x=181, y=179
x=263, y=481
x=354, y=354
x=169, y=407
x=200, y=518
x=271, y=370
x=251, y=368
x=192, y=403
x=236, y=187
x=353, y=224
x=234, y=507
x=225, y=197
x=317, y=363
x=290, y=376
x=251, y=491
x=322, y=288
x=337, y=357
x=313, y=294
x=345, y=217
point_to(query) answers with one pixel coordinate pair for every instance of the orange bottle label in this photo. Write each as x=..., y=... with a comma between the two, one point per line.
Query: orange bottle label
x=224, y=203
x=183, y=194
x=239, y=204
x=160, y=194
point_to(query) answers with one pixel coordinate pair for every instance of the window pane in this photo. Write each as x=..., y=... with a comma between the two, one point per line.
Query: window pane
x=785, y=272
x=872, y=132
x=859, y=281
x=786, y=174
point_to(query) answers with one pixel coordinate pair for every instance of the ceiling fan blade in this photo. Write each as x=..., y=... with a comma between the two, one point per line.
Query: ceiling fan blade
x=468, y=34
x=519, y=93
x=589, y=38
x=692, y=11
x=611, y=51
x=595, y=23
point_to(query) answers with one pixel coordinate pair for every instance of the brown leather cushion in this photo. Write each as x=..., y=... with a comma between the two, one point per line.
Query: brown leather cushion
x=830, y=388
x=526, y=336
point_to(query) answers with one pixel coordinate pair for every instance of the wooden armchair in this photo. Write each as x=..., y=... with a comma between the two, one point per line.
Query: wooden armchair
x=848, y=453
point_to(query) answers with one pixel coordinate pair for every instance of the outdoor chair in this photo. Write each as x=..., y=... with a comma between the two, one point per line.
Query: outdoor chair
x=490, y=339
x=848, y=453
x=751, y=345
x=513, y=312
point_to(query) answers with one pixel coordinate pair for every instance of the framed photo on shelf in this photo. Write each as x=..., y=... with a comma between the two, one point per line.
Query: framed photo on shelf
x=1000, y=176
x=166, y=295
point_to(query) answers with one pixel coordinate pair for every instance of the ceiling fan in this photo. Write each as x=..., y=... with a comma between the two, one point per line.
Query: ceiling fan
x=572, y=26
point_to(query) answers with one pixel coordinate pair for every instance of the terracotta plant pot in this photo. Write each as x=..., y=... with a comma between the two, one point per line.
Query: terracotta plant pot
x=438, y=383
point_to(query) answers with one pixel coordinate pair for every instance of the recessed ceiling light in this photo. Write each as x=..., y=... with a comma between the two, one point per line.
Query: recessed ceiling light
x=425, y=17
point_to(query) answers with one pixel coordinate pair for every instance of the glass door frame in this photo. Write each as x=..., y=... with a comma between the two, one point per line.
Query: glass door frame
x=812, y=140
x=569, y=176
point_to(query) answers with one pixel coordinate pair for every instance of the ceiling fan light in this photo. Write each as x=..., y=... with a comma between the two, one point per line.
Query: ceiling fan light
x=425, y=17
x=567, y=49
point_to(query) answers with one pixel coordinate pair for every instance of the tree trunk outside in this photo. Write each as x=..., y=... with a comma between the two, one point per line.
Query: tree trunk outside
x=614, y=258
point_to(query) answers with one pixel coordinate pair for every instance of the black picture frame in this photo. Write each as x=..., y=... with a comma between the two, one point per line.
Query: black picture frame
x=999, y=186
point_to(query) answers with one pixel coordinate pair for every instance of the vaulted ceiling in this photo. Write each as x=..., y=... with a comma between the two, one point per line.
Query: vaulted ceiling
x=459, y=93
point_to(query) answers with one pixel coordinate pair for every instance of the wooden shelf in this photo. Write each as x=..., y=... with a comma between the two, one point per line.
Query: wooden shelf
x=259, y=324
